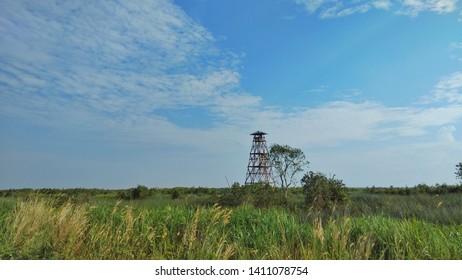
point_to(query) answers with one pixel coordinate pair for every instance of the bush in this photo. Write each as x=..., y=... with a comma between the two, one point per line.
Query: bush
x=258, y=195
x=323, y=192
x=139, y=192
x=233, y=196
x=265, y=196
x=175, y=194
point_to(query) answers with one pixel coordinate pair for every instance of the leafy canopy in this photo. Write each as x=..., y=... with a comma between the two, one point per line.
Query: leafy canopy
x=459, y=171
x=286, y=162
x=323, y=192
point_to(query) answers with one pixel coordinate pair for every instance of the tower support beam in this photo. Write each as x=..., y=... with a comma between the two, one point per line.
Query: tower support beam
x=259, y=169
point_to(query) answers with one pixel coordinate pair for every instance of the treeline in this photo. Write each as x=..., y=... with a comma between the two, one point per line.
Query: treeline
x=54, y=191
x=231, y=196
x=138, y=192
x=418, y=189
x=141, y=192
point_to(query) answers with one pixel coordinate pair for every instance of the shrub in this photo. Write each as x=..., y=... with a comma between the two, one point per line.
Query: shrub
x=265, y=196
x=175, y=194
x=233, y=196
x=323, y=192
x=139, y=192
x=258, y=195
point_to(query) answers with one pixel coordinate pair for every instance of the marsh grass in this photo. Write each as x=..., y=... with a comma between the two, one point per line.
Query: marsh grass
x=438, y=209
x=39, y=228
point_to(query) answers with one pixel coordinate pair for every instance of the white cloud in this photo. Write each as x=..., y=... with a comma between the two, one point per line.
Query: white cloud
x=455, y=46
x=334, y=9
x=456, y=51
x=109, y=68
x=340, y=11
x=445, y=133
x=318, y=90
x=382, y=4
x=449, y=89
x=112, y=63
x=312, y=5
x=117, y=69
x=338, y=122
x=414, y=7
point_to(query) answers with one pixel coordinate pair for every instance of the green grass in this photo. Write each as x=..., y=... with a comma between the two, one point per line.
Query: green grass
x=439, y=209
x=44, y=228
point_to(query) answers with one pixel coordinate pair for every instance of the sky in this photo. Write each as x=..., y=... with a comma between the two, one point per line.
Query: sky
x=112, y=94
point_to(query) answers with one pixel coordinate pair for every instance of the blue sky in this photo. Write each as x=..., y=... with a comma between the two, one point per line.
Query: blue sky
x=165, y=93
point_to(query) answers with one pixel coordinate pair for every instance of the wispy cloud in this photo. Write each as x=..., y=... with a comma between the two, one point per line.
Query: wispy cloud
x=288, y=17
x=414, y=7
x=312, y=5
x=115, y=67
x=110, y=64
x=317, y=90
x=337, y=122
x=334, y=8
x=382, y=4
x=448, y=89
x=445, y=133
x=456, y=46
x=456, y=51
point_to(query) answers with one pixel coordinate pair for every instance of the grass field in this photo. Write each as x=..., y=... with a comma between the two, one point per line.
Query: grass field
x=371, y=226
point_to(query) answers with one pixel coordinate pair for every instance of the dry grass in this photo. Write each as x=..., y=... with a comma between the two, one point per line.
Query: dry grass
x=43, y=229
x=39, y=230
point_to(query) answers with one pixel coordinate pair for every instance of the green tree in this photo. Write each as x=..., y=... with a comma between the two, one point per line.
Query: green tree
x=286, y=162
x=139, y=192
x=175, y=194
x=323, y=192
x=459, y=171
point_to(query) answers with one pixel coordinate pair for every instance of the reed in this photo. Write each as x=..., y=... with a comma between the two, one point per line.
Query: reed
x=44, y=229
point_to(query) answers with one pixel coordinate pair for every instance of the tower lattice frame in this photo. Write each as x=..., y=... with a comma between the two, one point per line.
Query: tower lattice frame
x=259, y=169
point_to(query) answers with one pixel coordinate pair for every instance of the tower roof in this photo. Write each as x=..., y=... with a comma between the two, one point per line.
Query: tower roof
x=258, y=133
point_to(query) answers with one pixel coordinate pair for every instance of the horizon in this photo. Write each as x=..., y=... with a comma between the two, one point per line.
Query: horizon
x=166, y=93
x=211, y=187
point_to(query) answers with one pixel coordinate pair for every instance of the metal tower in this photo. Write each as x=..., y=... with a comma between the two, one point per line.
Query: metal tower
x=259, y=168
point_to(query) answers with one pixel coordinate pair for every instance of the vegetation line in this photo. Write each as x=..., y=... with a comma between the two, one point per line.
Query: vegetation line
x=257, y=223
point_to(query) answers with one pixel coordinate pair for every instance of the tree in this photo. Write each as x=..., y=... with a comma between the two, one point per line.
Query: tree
x=459, y=171
x=141, y=191
x=175, y=194
x=286, y=162
x=323, y=192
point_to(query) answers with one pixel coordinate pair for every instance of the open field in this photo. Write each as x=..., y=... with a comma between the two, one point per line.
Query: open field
x=189, y=223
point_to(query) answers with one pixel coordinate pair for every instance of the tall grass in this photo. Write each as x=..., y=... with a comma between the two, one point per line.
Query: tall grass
x=38, y=230
x=438, y=209
x=44, y=229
